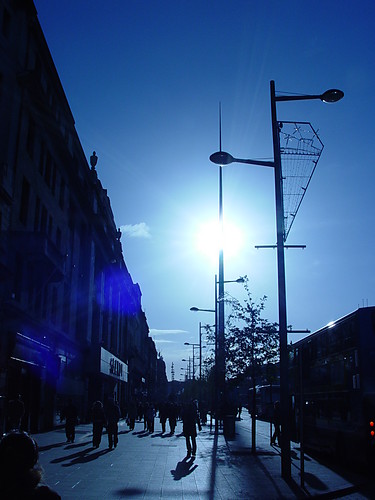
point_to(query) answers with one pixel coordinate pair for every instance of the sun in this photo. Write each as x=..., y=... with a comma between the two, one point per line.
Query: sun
x=209, y=240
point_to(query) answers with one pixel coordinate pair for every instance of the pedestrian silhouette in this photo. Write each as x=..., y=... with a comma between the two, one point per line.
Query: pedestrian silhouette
x=20, y=475
x=163, y=415
x=98, y=422
x=132, y=414
x=71, y=420
x=190, y=420
x=16, y=411
x=150, y=417
x=276, y=419
x=113, y=415
x=172, y=416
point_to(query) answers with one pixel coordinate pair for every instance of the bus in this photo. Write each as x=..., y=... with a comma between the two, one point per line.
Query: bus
x=332, y=379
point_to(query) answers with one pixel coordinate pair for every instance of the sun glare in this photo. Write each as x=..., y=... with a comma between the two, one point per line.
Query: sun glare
x=208, y=240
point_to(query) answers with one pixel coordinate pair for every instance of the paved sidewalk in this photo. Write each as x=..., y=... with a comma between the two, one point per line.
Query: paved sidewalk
x=318, y=480
x=153, y=466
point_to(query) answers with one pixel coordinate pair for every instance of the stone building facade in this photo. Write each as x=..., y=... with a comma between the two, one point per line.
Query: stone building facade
x=71, y=320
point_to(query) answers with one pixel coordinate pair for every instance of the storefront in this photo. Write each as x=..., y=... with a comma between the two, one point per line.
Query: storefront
x=111, y=379
x=32, y=372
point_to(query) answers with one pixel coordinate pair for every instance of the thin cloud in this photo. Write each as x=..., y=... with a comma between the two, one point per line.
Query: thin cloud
x=154, y=331
x=140, y=230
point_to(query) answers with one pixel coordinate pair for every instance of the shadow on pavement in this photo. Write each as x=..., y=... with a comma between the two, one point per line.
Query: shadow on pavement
x=85, y=457
x=77, y=445
x=183, y=468
x=124, y=432
x=51, y=446
x=80, y=457
x=130, y=492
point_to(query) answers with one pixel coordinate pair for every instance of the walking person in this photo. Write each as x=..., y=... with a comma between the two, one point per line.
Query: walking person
x=98, y=422
x=145, y=410
x=132, y=414
x=276, y=419
x=163, y=414
x=150, y=417
x=190, y=420
x=16, y=411
x=71, y=419
x=172, y=416
x=113, y=415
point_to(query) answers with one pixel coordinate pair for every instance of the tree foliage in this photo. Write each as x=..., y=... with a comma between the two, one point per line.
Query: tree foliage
x=251, y=341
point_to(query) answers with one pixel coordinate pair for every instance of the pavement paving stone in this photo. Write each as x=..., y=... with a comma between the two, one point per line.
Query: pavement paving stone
x=154, y=466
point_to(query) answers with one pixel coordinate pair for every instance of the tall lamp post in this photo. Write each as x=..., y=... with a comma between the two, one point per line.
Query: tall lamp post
x=222, y=158
x=193, y=346
x=188, y=367
x=219, y=332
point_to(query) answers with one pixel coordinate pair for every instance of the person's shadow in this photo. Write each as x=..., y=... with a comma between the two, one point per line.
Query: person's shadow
x=183, y=468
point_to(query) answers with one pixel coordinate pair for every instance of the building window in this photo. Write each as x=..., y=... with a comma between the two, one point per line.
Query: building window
x=30, y=144
x=42, y=158
x=54, y=306
x=62, y=194
x=37, y=214
x=44, y=304
x=43, y=220
x=58, y=238
x=25, y=198
x=18, y=278
x=48, y=170
x=53, y=180
x=66, y=309
x=31, y=280
x=50, y=226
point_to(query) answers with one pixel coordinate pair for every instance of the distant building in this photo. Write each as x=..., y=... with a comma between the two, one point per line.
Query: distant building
x=71, y=320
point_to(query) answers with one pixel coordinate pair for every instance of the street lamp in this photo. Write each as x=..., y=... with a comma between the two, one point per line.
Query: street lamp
x=220, y=338
x=184, y=370
x=222, y=158
x=193, y=346
x=188, y=362
x=219, y=333
x=195, y=309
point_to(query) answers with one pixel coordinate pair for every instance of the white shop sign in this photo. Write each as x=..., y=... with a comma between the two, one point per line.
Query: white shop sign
x=112, y=366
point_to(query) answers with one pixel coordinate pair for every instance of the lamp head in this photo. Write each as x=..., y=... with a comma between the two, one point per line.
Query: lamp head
x=194, y=309
x=186, y=343
x=332, y=95
x=221, y=158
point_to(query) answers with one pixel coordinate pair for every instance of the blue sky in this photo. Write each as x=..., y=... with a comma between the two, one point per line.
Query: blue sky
x=144, y=80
